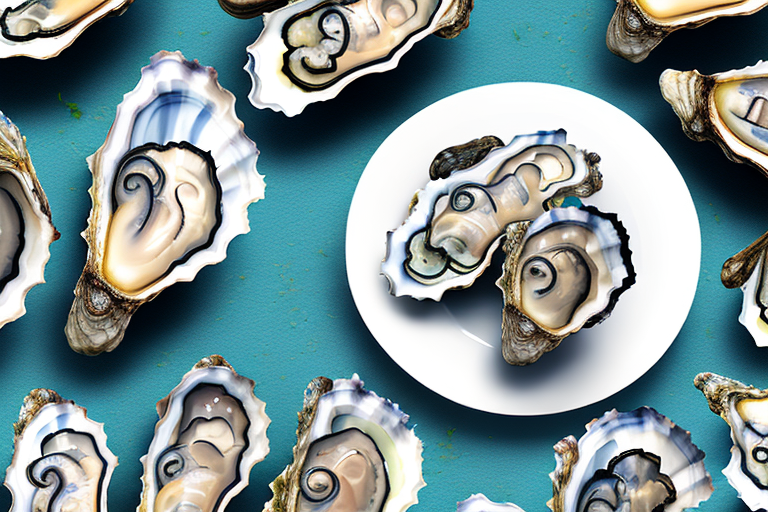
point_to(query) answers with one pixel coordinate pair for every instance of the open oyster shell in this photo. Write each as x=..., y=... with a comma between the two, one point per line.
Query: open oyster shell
x=311, y=49
x=636, y=460
x=457, y=221
x=26, y=230
x=354, y=451
x=61, y=462
x=43, y=28
x=171, y=188
x=563, y=272
x=212, y=430
x=479, y=503
x=726, y=108
x=638, y=26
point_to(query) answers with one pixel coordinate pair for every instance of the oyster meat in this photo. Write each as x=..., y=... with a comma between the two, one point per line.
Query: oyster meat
x=61, y=462
x=26, y=230
x=310, y=50
x=638, y=26
x=563, y=272
x=212, y=430
x=636, y=460
x=457, y=221
x=479, y=503
x=43, y=28
x=354, y=452
x=725, y=108
x=171, y=188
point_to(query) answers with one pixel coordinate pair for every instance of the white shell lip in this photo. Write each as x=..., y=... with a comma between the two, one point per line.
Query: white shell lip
x=36, y=252
x=480, y=503
x=750, y=311
x=48, y=47
x=748, y=7
x=272, y=89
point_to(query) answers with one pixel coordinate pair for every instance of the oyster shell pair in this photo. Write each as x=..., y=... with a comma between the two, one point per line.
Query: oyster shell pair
x=565, y=266
x=211, y=432
x=310, y=50
x=171, y=187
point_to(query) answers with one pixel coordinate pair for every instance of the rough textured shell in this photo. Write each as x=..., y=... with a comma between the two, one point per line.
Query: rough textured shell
x=479, y=503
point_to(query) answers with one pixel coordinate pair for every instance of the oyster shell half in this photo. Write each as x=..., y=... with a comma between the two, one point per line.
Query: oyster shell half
x=311, y=49
x=745, y=409
x=43, y=28
x=726, y=108
x=212, y=430
x=563, y=272
x=171, y=188
x=61, y=462
x=26, y=230
x=636, y=460
x=638, y=26
x=479, y=503
x=354, y=451
x=457, y=221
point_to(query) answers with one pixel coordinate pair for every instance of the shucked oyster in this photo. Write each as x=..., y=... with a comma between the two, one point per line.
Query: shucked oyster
x=61, y=462
x=458, y=220
x=479, y=503
x=212, y=430
x=563, y=272
x=171, y=187
x=638, y=26
x=26, y=230
x=311, y=49
x=745, y=409
x=726, y=108
x=747, y=270
x=629, y=461
x=43, y=28
x=354, y=452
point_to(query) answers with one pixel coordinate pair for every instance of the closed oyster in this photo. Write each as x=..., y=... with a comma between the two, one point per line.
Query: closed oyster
x=725, y=108
x=354, y=452
x=638, y=26
x=457, y=221
x=745, y=409
x=26, y=230
x=212, y=430
x=637, y=461
x=171, y=187
x=479, y=503
x=61, y=462
x=311, y=49
x=43, y=28
x=563, y=272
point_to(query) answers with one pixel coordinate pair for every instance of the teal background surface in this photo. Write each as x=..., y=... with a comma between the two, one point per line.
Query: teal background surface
x=279, y=307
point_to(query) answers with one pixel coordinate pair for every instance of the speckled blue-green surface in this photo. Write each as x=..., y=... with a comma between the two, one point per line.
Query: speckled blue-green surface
x=279, y=308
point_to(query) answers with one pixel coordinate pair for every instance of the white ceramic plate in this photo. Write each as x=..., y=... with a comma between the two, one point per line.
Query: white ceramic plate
x=453, y=347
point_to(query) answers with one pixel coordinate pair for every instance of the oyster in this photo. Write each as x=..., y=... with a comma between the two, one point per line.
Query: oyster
x=311, y=49
x=43, y=28
x=251, y=8
x=726, y=108
x=354, y=452
x=637, y=461
x=458, y=220
x=563, y=272
x=212, y=430
x=479, y=503
x=638, y=26
x=171, y=187
x=61, y=462
x=26, y=230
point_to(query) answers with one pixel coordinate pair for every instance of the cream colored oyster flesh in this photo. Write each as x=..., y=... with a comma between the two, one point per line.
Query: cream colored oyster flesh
x=667, y=11
x=42, y=18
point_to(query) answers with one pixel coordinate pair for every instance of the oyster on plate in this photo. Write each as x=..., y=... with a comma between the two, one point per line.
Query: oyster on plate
x=745, y=409
x=479, y=503
x=43, y=28
x=636, y=460
x=747, y=270
x=310, y=50
x=638, y=26
x=354, y=451
x=171, y=188
x=457, y=221
x=563, y=272
x=61, y=462
x=26, y=230
x=725, y=108
x=212, y=430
